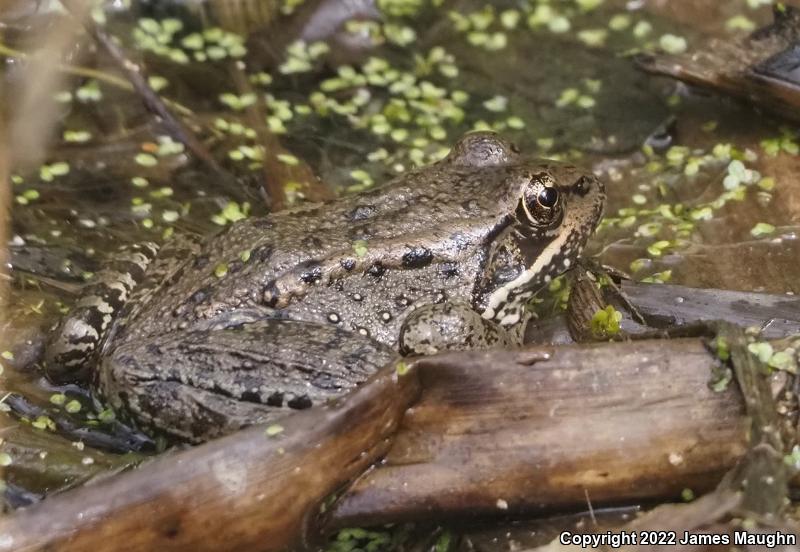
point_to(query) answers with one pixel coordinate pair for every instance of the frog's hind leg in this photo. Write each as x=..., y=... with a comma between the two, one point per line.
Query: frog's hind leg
x=201, y=383
x=127, y=282
x=73, y=344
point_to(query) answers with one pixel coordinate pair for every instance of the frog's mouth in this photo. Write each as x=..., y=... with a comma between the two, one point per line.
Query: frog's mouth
x=536, y=262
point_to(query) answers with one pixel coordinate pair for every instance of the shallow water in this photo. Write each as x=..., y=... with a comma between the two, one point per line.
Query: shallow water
x=555, y=77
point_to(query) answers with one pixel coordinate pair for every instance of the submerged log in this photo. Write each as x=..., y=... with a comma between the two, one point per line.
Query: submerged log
x=678, y=311
x=761, y=70
x=775, y=315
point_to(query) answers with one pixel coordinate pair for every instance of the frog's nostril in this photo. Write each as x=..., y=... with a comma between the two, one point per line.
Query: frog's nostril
x=583, y=185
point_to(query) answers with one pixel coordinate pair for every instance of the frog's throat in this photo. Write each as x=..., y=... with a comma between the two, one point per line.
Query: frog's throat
x=542, y=266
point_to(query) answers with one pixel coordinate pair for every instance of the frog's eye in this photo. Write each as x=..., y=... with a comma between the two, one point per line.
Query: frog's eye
x=540, y=205
x=548, y=197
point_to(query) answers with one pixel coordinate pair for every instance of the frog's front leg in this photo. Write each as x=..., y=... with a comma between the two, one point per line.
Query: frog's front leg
x=453, y=325
x=202, y=383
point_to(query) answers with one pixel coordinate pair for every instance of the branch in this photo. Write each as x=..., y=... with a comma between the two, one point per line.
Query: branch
x=154, y=103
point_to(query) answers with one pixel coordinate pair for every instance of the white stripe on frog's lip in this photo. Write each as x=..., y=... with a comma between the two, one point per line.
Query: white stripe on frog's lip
x=500, y=296
x=510, y=319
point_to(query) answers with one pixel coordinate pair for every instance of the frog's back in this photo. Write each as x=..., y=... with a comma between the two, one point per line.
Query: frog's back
x=358, y=262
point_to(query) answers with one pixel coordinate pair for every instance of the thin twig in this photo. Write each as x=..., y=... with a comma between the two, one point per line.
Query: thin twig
x=96, y=74
x=5, y=212
x=153, y=102
x=589, y=505
x=274, y=190
x=5, y=226
x=277, y=174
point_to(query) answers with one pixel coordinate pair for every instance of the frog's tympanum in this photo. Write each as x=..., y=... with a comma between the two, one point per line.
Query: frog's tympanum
x=285, y=311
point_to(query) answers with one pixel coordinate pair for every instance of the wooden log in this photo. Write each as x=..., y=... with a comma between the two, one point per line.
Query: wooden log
x=609, y=423
x=253, y=490
x=493, y=433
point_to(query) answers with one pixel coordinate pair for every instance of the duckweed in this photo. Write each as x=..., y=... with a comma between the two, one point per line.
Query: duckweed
x=786, y=142
x=77, y=136
x=762, y=229
x=27, y=197
x=605, y=323
x=145, y=160
x=301, y=57
x=167, y=146
x=273, y=430
x=588, y=5
x=593, y=38
x=401, y=368
x=640, y=264
x=360, y=248
x=658, y=277
x=48, y=173
x=673, y=44
x=288, y=159
x=642, y=29
x=793, y=458
x=44, y=422
x=762, y=350
x=361, y=176
x=221, y=270
x=58, y=399
x=496, y=104
x=237, y=103
x=157, y=83
x=106, y=416
x=755, y=4
x=658, y=248
x=510, y=19
x=170, y=216
x=619, y=22
x=232, y=212
x=767, y=183
x=89, y=92
x=740, y=23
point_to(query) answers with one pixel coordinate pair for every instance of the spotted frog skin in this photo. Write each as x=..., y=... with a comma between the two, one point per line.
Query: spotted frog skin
x=281, y=312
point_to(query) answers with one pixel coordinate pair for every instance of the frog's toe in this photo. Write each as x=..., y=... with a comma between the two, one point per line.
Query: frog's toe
x=449, y=326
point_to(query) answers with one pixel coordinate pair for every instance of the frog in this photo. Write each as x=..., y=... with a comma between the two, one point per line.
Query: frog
x=281, y=312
